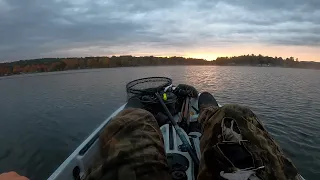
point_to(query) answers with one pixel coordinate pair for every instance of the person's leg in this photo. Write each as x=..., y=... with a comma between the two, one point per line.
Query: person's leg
x=216, y=124
x=131, y=148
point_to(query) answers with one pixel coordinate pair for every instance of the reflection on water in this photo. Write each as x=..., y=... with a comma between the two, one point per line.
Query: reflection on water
x=44, y=117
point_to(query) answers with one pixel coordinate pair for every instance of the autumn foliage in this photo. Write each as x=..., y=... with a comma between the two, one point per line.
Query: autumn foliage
x=61, y=64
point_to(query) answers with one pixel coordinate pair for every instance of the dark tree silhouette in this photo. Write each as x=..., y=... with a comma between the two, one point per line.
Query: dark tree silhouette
x=61, y=64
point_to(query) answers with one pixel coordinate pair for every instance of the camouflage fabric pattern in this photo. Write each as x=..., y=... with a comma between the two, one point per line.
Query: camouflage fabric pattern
x=131, y=148
x=261, y=145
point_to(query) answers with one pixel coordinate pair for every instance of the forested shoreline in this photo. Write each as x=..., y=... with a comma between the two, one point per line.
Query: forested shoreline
x=62, y=64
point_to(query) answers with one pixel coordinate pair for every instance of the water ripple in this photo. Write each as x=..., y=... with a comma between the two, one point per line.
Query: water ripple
x=45, y=121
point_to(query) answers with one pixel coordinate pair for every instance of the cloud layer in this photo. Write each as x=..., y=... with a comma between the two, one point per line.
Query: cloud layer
x=57, y=28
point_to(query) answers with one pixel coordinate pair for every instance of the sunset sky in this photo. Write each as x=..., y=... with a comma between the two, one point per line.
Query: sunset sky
x=190, y=28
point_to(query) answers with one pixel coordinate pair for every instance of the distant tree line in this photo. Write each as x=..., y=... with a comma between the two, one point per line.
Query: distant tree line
x=259, y=60
x=61, y=64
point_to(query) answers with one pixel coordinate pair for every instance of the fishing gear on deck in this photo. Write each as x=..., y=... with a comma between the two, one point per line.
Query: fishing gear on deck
x=184, y=90
x=184, y=119
x=159, y=96
x=185, y=142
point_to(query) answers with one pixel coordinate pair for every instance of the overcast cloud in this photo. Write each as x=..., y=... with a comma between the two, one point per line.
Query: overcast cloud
x=58, y=28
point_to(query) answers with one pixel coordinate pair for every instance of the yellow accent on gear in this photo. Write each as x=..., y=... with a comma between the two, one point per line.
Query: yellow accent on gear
x=165, y=96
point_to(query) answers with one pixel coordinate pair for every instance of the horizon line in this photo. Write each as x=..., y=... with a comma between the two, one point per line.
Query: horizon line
x=163, y=56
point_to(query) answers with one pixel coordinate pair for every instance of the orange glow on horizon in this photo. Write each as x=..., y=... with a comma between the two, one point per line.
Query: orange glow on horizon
x=303, y=53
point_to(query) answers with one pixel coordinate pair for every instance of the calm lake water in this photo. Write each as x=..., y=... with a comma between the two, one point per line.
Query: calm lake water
x=44, y=117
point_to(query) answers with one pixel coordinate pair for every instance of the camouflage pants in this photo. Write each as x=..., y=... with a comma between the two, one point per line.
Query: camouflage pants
x=132, y=146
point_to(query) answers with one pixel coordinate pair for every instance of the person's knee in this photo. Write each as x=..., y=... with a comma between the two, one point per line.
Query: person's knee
x=237, y=109
x=132, y=115
x=134, y=112
x=234, y=107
